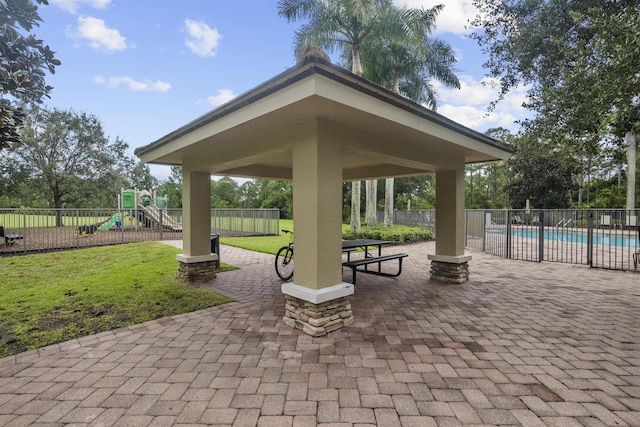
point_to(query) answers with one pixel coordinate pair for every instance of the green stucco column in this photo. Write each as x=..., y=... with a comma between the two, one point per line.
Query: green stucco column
x=450, y=264
x=316, y=299
x=196, y=262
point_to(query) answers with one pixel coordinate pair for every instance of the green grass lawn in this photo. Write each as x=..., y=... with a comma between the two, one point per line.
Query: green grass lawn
x=266, y=244
x=270, y=244
x=53, y=297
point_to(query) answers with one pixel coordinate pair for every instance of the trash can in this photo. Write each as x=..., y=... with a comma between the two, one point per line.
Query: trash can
x=215, y=247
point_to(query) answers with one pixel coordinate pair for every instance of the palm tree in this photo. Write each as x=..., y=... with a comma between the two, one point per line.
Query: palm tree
x=343, y=25
x=395, y=45
x=408, y=66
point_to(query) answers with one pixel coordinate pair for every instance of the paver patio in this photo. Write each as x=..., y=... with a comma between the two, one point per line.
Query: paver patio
x=519, y=344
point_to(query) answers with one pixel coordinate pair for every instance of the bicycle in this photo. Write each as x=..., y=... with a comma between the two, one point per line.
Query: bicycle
x=284, y=259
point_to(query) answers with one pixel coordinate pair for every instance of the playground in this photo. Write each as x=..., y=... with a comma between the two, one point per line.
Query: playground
x=140, y=216
x=137, y=209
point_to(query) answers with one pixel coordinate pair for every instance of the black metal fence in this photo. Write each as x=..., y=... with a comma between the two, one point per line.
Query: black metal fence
x=417, y=218
x=601, y=238
x=35, y=230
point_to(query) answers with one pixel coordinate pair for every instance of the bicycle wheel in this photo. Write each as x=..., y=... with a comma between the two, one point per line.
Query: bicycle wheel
x=284, y=263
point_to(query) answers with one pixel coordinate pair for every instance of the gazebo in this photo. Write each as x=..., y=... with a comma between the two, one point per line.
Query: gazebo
x=319, y=125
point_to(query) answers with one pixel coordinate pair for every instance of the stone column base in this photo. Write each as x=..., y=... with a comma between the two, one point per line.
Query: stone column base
x=317, y=319
x=449, y=269
x=197, y=269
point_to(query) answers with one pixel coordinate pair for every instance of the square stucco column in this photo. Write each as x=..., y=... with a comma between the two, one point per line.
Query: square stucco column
x=196, y=262
x=317, y=298
x=450, y=264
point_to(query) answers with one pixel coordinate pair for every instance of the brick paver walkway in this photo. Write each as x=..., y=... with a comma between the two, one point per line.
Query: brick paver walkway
x=520, y=344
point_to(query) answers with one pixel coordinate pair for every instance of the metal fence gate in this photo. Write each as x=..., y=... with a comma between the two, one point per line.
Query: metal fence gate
x=601, y=238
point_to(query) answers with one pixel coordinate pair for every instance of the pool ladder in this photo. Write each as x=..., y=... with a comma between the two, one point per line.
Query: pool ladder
x=564, y=223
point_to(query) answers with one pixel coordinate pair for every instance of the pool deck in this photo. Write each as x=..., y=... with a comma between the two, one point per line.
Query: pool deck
x=521, y=343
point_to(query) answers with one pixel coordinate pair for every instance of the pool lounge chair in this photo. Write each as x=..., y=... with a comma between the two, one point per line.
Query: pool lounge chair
x=632, y=221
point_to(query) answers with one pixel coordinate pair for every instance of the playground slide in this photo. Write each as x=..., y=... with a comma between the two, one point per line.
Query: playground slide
x=111, y=222
x=153, y=213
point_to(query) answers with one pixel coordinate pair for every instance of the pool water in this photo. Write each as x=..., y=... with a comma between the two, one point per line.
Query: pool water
x=577, y=237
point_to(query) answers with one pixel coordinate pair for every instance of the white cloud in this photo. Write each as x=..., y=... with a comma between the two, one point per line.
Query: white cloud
x=223, y=96
x=454, y=16
x=72, y=6
x=468, y=106
x=474, y=92
x=202, y=40
x=132, y=84
x=98, y=35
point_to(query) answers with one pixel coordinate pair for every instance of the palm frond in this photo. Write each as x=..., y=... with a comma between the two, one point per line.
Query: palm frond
x=293, y=10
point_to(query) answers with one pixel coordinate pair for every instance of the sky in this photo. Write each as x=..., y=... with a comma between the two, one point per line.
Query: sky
x=148, y=67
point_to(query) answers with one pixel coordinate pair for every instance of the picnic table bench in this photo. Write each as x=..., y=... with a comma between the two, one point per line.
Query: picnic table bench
x=351, y=245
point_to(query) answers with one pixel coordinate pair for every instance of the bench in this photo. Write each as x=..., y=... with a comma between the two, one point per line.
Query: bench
x=9, y=238
x=353, y=265
x=348, y=252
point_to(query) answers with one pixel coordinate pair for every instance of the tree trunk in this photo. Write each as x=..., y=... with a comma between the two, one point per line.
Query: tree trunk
x=390, y=182
x=620, y=175
x=396, y=82
x=356, y=68
x=57, y=204
x=388, y=202
x=372, y=202
x=494, y=187
x=355, y=205
x=630, y=139
x=580, y=187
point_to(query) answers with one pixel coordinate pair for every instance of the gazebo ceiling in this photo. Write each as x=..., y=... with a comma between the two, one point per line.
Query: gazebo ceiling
x=382, y=134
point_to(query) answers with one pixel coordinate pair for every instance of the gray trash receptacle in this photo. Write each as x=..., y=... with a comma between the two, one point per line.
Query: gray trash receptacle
x=215, y=247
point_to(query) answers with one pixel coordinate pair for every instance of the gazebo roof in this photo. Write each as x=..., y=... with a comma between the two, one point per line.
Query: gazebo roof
x=382, y=133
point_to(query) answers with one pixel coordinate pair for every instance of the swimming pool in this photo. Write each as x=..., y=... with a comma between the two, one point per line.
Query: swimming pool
x=567, y=236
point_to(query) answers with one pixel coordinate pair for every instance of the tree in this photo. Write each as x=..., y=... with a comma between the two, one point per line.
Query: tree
x=23, y=62
x=172, y=188
x=249, y=195
x=580, y=62
x=416, y=192
x=408, y=65
x=138, y=175
x=499, y=172
x=541, y=174
x=343, y=25
x=277, y=194
x=224, y=193
x=64, y=148
x=607, y=67
x=395, y=47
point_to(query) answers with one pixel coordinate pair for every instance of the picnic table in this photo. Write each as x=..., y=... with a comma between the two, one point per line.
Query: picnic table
x=370, y=257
